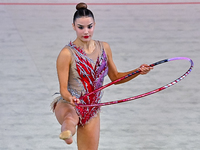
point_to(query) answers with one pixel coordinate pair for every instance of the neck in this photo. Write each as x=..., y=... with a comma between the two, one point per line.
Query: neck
x=88, y=46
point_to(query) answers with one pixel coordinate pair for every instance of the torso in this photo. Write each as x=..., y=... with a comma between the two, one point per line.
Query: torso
x=87, y=72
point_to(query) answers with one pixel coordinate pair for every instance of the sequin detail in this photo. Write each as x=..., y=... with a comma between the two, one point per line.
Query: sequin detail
x=91, y=77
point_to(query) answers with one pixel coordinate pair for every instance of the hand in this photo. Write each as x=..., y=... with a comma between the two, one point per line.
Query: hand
x=144, y=69
x=73, y=100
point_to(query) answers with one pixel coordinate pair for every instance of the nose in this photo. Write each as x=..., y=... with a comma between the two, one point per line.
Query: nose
x=85, y=30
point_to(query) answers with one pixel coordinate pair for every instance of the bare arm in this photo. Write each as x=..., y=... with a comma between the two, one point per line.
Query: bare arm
x=112, y=70
x=63, y=65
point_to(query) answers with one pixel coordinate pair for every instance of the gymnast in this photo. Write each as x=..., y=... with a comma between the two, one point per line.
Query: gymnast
x=81, y=67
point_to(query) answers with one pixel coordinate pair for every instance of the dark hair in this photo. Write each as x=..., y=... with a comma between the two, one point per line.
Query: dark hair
x=82, y=11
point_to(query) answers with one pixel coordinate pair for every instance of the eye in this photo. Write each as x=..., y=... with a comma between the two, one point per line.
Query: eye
x=80, y=27
x=90, y=26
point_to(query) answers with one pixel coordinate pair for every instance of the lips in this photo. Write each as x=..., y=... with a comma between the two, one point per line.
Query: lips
x=86, y=37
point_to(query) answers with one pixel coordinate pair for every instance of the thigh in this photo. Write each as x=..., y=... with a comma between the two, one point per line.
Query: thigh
x=88, y=135
x=64, y=110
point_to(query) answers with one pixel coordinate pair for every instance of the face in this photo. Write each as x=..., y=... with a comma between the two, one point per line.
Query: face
x=84, y=28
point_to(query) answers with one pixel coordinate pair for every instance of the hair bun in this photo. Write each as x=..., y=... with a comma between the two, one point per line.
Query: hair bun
x=81, y=6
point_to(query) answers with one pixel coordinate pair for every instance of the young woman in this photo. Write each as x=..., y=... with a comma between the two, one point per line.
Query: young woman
x=81, y=67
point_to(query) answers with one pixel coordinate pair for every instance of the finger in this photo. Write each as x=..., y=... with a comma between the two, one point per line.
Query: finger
x=76, y=100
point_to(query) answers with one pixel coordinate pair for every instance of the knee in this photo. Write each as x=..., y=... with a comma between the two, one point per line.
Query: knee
x=66, y=116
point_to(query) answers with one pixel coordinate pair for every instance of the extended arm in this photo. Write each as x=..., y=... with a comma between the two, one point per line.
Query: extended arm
x=114, y=74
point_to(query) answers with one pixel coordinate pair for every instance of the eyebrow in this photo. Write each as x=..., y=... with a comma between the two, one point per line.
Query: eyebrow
x=87, y=25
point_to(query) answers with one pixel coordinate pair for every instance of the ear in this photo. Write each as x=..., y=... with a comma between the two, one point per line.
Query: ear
x=73, y=26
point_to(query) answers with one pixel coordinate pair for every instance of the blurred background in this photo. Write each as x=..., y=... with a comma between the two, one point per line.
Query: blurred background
x=33, y=32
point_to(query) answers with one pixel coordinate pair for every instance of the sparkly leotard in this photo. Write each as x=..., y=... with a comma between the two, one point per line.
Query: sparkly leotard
x=87, y=72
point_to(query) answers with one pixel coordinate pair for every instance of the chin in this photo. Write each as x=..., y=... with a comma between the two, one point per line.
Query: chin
x=86, y=40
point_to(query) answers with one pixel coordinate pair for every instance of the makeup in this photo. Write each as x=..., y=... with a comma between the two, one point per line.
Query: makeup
x=86, y=37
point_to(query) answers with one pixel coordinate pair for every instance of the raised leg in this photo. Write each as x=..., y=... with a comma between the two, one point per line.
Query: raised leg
x=68, y=118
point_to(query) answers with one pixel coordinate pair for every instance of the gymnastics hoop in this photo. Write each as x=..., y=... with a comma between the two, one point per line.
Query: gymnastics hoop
x=141, y=95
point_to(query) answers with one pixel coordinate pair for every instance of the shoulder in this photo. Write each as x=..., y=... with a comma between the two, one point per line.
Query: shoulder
x=65, y=54
x=105, y=45
x=65, y=51
x=107, y=48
